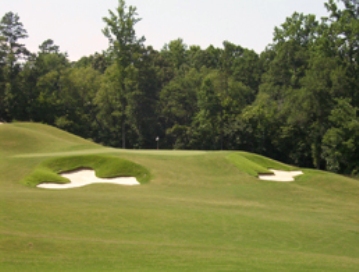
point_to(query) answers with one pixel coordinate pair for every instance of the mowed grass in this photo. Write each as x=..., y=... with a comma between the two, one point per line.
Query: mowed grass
x=22, y=138
x=199, y=212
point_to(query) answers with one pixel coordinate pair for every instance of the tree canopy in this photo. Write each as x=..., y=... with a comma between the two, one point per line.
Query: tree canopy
x=297, y=101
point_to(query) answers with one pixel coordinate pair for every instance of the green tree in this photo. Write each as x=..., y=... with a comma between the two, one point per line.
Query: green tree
x=98, y=61
x=339, y=145
x=208, y=120
x=142, y=108
x=343, y=35
x=78, y=112
x=290, y=81
x=50, y=68
x=48, y=47
x=125, y=48
x=108, y=101
x=178, y=106
x=11, y=52
x=258, y=125
x=176, y=53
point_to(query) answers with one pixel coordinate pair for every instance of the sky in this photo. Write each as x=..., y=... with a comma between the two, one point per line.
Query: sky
x=75, y=25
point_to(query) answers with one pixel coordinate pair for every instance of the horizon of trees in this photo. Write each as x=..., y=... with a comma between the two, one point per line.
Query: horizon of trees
x=296, y=102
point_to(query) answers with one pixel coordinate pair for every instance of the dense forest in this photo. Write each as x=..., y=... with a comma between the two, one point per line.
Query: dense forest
x=296, y=102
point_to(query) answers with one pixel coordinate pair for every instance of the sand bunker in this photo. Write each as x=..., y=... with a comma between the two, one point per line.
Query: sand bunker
x=279, y=175
x=85, y=177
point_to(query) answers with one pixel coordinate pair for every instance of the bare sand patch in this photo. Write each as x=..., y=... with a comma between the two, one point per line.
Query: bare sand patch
x=280, y=176
x=83, y=177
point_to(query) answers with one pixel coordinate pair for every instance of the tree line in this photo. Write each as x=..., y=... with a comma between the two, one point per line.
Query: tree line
x=297, y=101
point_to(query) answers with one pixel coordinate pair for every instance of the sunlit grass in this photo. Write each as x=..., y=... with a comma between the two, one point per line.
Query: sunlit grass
x=201, y=211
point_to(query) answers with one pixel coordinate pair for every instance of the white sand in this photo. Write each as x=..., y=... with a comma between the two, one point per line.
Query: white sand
x=85, y=177
x=281, y=176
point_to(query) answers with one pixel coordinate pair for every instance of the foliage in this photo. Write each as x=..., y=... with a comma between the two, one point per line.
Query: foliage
x=282, y=103
x=11, y=52
x=125, y=48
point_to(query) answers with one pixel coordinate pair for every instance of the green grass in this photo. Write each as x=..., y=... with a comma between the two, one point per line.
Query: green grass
x=104, y=166
x=254, y=164
x=201, y=211
x=22, y=138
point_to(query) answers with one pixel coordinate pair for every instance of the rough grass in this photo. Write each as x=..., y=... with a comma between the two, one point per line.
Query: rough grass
x=104, y=166
x=200, y=212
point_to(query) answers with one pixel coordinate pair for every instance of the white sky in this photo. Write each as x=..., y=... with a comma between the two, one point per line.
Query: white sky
x=75, y=25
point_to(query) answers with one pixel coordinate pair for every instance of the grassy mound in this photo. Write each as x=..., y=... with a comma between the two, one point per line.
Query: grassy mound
x=22, y=138
x=104, y=166
x=254, y=164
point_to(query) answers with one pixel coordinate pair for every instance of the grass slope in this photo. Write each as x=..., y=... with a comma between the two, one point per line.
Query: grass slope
x=254, y=164
x=16, y=138
x=200, y=212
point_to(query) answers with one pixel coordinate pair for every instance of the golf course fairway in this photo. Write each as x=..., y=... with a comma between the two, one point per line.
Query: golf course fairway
x=193, y=211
